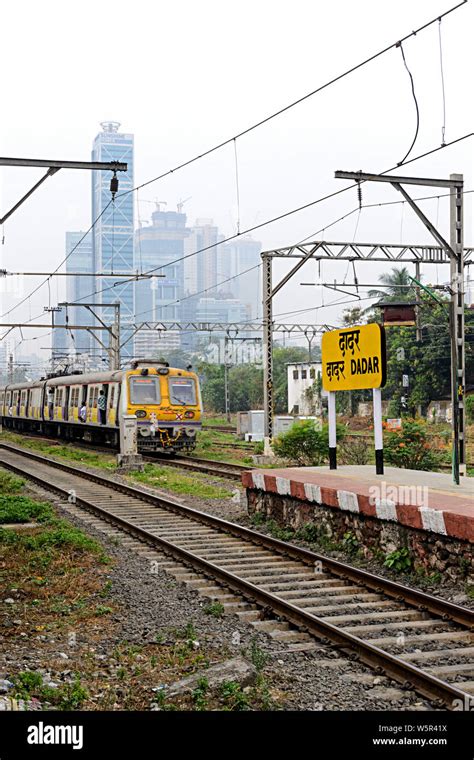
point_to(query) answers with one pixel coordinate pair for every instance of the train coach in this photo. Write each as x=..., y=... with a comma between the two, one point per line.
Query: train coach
x=166, y=402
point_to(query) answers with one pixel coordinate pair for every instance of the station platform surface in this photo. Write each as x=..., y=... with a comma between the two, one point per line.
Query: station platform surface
x=415, y=498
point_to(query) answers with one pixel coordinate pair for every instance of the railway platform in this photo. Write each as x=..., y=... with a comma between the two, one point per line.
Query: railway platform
x=422, y=511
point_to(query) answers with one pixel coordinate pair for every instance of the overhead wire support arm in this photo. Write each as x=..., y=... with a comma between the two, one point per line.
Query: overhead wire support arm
x=25, y=197
x=54, y=166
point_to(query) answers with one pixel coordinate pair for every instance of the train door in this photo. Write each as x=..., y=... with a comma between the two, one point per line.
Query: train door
x=21, y=405
x=93, y=392
x=65, y=400
x=56, y=403
x=82, y=403
x=112, y=415
x=73, y=414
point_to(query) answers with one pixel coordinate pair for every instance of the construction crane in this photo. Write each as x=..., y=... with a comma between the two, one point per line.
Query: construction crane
x=181, y=203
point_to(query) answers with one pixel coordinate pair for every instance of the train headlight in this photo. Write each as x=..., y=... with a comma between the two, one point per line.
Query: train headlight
x=189, y=415
x=140, y=413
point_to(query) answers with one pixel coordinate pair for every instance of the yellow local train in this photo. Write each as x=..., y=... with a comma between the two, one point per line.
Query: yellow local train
x=166, y=402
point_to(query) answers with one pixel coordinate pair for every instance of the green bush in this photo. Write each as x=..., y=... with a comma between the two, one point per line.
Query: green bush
x=305, y=444
x=398, y=560
x=10, y=483
x=19, y=509
x=470, y=408
x=410, y=447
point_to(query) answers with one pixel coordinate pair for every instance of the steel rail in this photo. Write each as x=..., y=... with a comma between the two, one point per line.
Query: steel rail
x=402, y=671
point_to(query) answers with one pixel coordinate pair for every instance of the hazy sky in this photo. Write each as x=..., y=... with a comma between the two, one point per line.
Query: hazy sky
x=183, y=76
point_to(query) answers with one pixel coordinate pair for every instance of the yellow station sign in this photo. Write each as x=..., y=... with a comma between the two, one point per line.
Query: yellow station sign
x=354, y=358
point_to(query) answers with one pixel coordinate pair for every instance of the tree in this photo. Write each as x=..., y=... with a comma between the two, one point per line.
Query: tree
x=427, y=363
x=354, y=316
x=396, y=285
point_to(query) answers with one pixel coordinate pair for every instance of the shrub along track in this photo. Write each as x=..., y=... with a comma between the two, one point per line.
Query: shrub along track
x=417, y=639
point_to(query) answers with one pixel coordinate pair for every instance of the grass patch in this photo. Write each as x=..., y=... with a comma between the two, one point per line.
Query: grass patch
x=216, y=609
x=64, y=451
x=172, y=480
x=56, y=534
x=21, y=509
x=9, y=483
x=69, y=696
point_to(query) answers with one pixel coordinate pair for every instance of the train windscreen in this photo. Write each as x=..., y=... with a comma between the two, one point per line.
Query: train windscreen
x=182, y=390
x=144, y=390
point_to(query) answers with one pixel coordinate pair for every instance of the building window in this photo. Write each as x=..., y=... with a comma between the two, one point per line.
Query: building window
x=295, y=374
x=303, y=374
x=312, y=373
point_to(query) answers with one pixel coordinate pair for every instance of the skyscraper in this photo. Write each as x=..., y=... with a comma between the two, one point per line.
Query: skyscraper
x=158, y=244
x=201, y=270
x=239, y=256
x=113, y=233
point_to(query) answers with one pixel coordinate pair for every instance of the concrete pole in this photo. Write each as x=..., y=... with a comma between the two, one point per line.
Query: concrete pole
x=457, y=329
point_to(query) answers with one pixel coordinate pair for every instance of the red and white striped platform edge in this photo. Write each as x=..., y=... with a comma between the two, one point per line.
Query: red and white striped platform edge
x=443, y=511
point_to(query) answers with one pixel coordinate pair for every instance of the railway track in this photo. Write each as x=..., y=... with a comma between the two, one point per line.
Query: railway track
x=220, y=428
x=208, y=466
x=196, y=464
x=419, y=640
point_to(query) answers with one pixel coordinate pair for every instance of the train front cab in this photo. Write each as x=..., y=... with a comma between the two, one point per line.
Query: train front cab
x=167, y=405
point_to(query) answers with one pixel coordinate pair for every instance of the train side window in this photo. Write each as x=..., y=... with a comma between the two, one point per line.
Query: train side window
x=91, y=397
x=96, y=395
x=112, y=397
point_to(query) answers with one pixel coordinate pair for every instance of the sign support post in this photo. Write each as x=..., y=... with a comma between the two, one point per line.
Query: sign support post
x=332, y=430
x=378, y=432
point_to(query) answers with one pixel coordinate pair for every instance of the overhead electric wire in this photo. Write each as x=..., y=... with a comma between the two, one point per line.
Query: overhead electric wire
x=416, y=105
x=443, y=128
x=296, y=102
x=271, y=221
x=272, y=116
x=59, y=265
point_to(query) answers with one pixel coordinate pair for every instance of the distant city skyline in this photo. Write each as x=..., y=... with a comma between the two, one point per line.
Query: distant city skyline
x=194, y=284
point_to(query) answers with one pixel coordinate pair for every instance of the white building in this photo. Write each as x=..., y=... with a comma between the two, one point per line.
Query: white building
x=301, y=377
x=152, y=344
